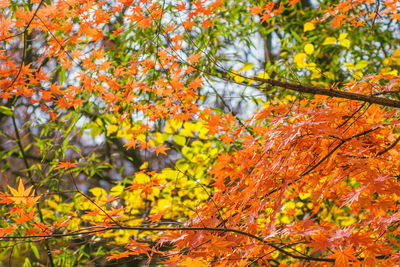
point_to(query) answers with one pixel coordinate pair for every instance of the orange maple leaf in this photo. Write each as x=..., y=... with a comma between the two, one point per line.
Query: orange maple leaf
x=343, y=257
x=160, y=149
x=131, y=144
x=65, y=165
x=181, y=6
x=156, y=217
x=293, y=2
x=320, y=242
x=193, y=58
x=207, y=23
x=116, y=256
x=255, y=10
x=24, y=217
x=7, y=230
x=5, y=198
x=188, y=24
x=138, y=248
x=23, y=196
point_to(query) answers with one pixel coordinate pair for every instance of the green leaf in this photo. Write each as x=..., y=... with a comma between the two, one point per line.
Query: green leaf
x=95, y=130
x=62, y=76
x=6, y=111
x=296, y=36
x=35, y=251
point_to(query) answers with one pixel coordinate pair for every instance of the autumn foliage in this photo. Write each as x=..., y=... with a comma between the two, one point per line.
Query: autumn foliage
x=200, y=133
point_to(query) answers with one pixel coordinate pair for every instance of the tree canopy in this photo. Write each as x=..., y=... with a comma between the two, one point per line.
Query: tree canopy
x=200, y=133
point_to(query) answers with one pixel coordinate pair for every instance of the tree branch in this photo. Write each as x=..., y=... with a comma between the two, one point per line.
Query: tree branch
x=329, y=92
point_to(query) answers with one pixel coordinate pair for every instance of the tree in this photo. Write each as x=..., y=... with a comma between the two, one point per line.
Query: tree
x=200, y=133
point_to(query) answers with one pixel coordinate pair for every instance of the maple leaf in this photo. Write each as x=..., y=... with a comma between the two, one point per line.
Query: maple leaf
x=156, y=217
x=65, y=165
x=216, y=4
x=24, y=217
x=352, y=196
x=320, y=242
x=23, y=196
x=293, y=2
x=138, y=248
x=255, y=10
x=5, y=198
x=188, y=24
x=343, y=257
x=7, y=230
x=269, y=6
x=207, y=23
x=62, y=223
x=144, y=145
x=181, y=6
x=145, y=22
x=120, y=255
x=265, y=17
x=5, y=25
x=161, y=149
x=193, y=58
x=131, y=144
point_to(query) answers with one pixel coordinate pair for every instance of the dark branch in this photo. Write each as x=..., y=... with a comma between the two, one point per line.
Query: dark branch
x=330, y=92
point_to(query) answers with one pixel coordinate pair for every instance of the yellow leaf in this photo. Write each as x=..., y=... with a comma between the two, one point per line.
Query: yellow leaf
x=311, y=66
x=329, y=41
x=173, y=126
x=285, y=219
x=396, y=56
x=299, y=60
x=290, y=97
x=309, y=26
x=200, y=159
x=112, y=129
x=396, y=53
x=345, y=43
x=117, y=190
x=309, y=49
x=304, y=195
x=387, y=61
x=237, y=77
x=349, y=66
x=347, y=221
x=389, y=71
x=343, y=36
x=247, y=66
x=316, y=75
x=329, y=75
x=357, y=75
x=361, y=64
x=203, y=133
x=142, y=178
x=145, y=165
x=263, y=75
x=180, y=140
x=99, y=193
